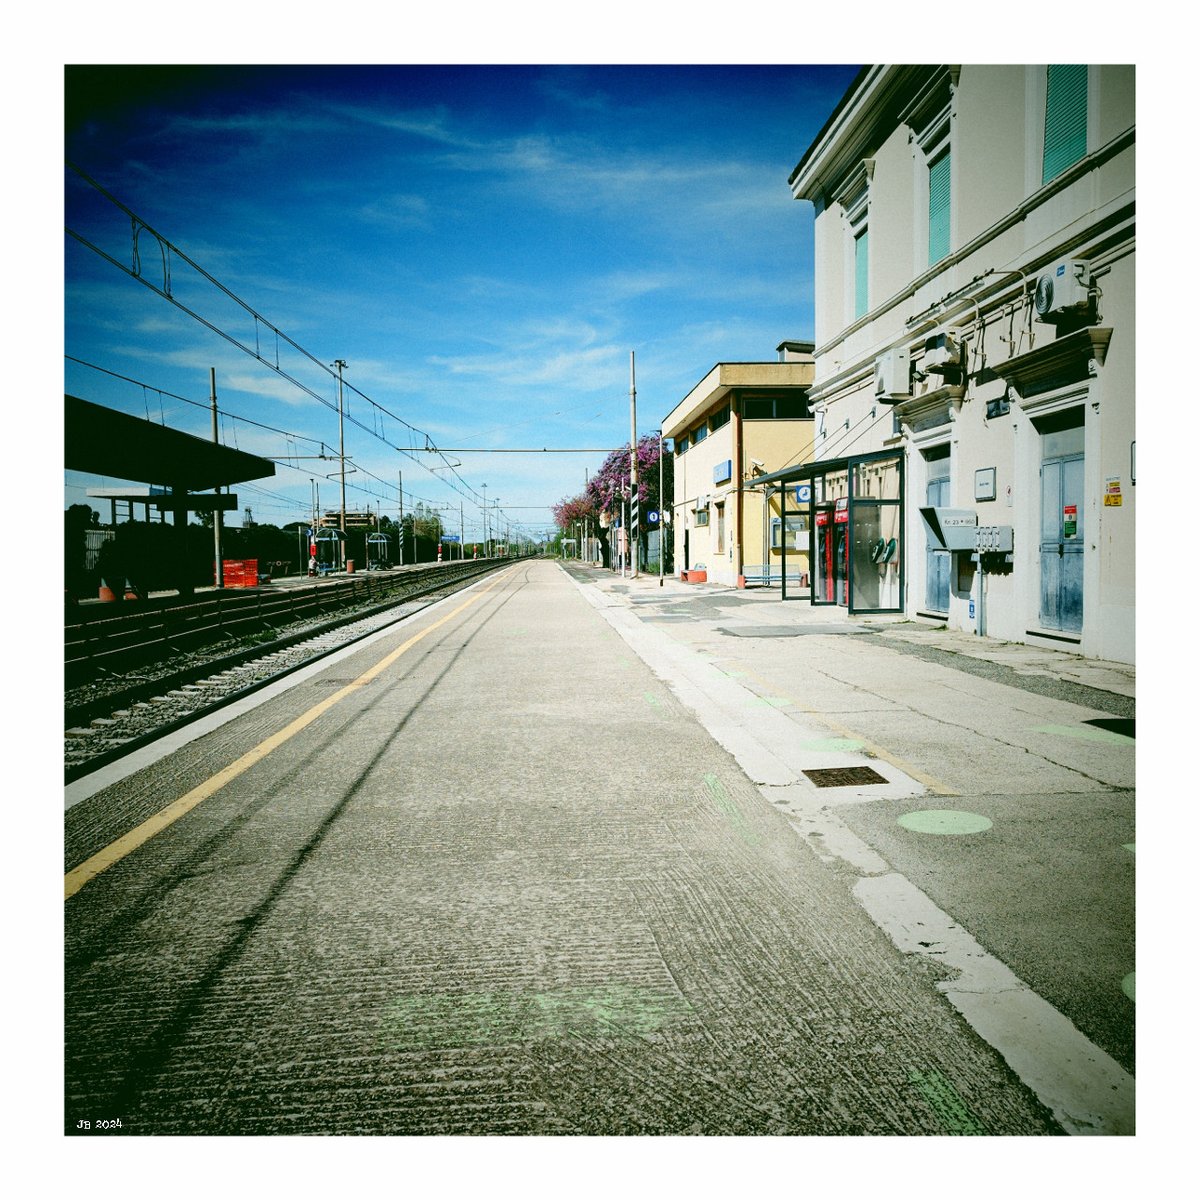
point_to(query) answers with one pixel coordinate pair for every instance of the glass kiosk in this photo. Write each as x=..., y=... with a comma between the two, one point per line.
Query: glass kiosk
x=852, y=513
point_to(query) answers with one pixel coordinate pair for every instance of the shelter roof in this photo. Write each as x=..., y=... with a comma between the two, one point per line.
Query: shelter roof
x=102, y=441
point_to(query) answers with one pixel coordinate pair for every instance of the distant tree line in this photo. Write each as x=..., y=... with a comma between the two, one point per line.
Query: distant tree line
x=149, y=555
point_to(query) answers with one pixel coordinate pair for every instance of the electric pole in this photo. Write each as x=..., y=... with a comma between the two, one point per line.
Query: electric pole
x=219, y=577
x=400, y=484
x=633, y=478
x=662, y=528
x=341, y=365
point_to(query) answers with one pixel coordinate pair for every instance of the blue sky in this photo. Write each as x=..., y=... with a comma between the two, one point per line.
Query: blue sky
x=484, y=246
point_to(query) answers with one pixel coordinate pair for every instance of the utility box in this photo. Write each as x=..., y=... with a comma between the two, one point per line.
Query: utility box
x=950, y=528
x=994, y=539
x=893, y=381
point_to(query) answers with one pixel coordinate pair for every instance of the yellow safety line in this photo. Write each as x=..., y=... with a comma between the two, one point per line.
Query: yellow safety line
x=934, y=785
x=142, y=833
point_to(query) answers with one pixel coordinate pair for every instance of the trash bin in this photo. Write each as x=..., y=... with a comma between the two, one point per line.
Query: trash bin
x=349, y=566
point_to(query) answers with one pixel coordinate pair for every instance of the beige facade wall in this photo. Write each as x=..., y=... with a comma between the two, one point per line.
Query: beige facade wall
x=776, y=444
x=719, y=520
x=1006, y=227
x=697, y=495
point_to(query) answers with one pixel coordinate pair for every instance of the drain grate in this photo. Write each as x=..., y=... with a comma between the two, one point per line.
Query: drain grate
x=845, y=777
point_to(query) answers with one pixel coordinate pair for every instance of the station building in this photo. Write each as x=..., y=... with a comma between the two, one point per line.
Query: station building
x=973, y=458
x=743, y=421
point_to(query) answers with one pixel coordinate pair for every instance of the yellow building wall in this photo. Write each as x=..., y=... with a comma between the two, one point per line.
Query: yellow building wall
x=775, y=444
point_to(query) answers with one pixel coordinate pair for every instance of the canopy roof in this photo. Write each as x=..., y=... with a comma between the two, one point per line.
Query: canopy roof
x=102, y=441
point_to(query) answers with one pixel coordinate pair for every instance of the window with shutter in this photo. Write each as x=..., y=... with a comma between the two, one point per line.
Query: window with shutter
x=939, y=208
x=1066, y=119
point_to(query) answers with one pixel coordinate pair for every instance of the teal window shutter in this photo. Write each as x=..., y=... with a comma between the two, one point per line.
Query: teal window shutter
x=1066, y=119
x=860, y=275
x=939, y=208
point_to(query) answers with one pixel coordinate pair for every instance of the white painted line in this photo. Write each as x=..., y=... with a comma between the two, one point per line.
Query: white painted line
x=768, y=742
x=1086, y=1090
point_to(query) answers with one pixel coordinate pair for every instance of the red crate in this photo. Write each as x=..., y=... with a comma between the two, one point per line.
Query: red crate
x=239, y=572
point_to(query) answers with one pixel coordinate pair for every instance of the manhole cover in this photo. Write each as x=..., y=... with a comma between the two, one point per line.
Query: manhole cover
x=845, y=777
x=767, y=631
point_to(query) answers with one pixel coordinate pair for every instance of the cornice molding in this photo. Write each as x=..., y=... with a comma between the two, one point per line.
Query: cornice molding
x=948, y=399
x=1069, y=359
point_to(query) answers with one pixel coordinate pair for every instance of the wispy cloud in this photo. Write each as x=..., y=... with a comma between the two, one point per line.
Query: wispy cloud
x=433, y=125
x=259, y=123
x=398, y=211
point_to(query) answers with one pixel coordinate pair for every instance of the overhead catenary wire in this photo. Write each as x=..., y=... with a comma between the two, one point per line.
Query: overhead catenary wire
x=229, y=416
x=170, y=254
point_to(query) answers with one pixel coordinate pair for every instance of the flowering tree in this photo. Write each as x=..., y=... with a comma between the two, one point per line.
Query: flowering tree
x=608, y=490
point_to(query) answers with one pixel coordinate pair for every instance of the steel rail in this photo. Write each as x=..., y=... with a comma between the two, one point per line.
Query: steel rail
x=117, y=702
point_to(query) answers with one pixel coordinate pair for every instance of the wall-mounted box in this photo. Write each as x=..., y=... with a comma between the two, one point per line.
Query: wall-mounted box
x=994, y=539
x=950, y=528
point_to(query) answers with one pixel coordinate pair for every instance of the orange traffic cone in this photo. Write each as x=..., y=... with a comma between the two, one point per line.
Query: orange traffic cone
x=130, y=591
x=106, y=593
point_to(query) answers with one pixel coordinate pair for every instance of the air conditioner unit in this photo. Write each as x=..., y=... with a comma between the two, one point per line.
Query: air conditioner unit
x=942, y=354
x=892, y=380
x=1063, y=289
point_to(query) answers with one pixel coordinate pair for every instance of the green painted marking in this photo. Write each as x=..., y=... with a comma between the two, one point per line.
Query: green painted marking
x=725, y=803
x=1088, y=735
x=1129, y=846
x=652, y=699
x=1127, y=985
x=423, y=1022
x=948, y=1106
x=944, y=821
x=831, y=744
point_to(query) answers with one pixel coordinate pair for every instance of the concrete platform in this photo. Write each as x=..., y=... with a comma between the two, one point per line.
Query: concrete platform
x=489, y=872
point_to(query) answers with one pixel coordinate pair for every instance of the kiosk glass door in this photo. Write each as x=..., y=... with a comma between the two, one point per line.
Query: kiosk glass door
x=876, y=553
x=795, y=506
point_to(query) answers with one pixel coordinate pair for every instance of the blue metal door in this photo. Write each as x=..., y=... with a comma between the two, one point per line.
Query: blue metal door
x=1062, y=542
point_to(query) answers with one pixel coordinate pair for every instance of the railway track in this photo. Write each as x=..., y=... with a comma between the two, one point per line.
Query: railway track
x=114, y=715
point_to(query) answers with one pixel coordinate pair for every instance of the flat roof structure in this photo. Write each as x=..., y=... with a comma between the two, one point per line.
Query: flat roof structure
x=102, y=441
x=725, y=376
